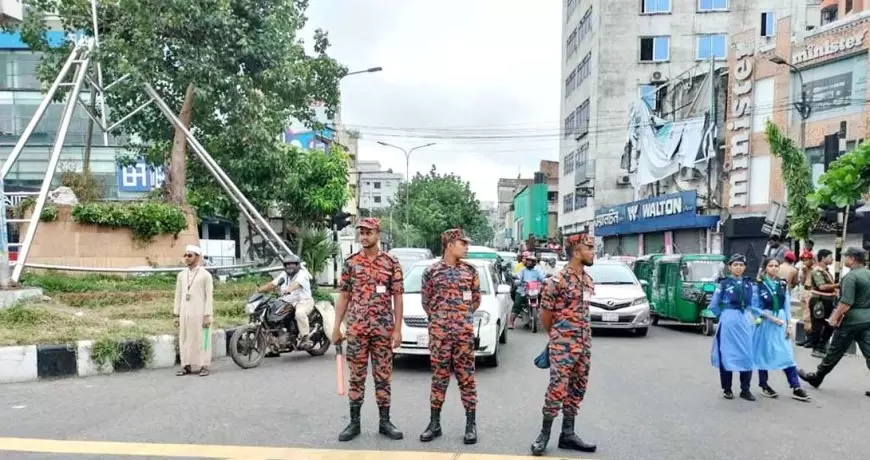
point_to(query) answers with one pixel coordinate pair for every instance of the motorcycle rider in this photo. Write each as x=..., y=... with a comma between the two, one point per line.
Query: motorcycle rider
x=294, y=287
x=528, y=273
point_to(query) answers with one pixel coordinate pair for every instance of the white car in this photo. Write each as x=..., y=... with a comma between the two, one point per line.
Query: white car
x=619, y=301
x=490, y=319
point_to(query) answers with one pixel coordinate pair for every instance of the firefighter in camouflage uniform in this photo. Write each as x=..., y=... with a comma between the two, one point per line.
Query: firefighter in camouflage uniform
x=450, y=295
x=565, y=317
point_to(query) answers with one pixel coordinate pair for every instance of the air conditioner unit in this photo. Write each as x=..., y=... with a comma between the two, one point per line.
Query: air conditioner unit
x=687, y=174
x=624, y=179
x=11, y=12
x=657, y=77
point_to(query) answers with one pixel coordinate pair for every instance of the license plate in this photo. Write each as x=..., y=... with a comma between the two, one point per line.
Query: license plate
x=423, y=340
x=610, y=317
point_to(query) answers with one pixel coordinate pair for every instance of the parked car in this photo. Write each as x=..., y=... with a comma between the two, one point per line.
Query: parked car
x=620, y=301
x=490, y=319
x=409, y=256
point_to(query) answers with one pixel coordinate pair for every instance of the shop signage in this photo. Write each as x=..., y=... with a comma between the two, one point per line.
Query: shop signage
x=667, y=212
x=740, y=125
x=139, y=178
x=812, y=52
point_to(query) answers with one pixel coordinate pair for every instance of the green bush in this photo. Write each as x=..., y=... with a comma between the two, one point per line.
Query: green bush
x=145, y=219
x=55, y=283
x=49, y=212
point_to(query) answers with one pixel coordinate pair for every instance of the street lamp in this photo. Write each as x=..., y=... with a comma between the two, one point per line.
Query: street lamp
x=407, y=176
x=369, y=70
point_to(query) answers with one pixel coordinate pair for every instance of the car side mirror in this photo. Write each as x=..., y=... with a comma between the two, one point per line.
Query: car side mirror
x=503, y=289
x=644, y=283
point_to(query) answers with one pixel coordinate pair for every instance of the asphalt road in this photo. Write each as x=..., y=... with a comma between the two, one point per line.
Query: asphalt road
x=649, y=398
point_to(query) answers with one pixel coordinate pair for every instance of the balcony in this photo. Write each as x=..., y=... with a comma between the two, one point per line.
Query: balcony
x=584, y=172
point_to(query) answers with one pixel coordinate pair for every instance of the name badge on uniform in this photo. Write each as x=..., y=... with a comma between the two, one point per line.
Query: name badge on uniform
x=466, y=295
x=187, y=297
x=381, y=289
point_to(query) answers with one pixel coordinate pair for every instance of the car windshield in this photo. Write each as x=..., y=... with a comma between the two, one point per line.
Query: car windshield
x=414, y=279
x=611, y=274
x=408, y=260
x=703, y=270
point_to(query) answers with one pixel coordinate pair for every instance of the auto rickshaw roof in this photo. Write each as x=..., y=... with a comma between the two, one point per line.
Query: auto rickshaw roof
x=649, y=258
x=677, y=258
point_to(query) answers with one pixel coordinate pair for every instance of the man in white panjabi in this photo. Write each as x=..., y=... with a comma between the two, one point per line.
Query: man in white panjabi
x=194, y=312
x=294, y=287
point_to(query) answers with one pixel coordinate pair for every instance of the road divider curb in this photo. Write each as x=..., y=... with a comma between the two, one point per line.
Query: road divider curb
x=37, y=362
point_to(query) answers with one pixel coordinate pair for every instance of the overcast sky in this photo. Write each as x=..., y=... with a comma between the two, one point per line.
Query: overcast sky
x=479, y=77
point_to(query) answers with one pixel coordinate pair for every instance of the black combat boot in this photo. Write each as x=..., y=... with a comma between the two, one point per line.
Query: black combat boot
x=352, y=429
x=386, y=427
x=470, y=427
x=813, y=378
x=433, y=430
x=540, y=444
x=568, y=439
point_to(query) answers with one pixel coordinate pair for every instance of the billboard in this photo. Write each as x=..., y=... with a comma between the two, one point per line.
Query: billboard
x=835, y=89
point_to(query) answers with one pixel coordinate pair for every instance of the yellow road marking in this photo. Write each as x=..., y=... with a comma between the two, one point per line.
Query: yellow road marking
x=51, y=446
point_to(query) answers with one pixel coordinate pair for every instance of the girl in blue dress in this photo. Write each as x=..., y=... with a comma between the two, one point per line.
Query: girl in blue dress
x=732, y=346
x=770, y=343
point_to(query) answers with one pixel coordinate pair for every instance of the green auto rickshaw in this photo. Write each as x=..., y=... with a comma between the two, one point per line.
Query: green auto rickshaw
x=682, y=287
x=643, y=269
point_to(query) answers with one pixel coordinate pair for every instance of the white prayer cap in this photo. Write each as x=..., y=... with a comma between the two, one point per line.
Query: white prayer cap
x=193, y=249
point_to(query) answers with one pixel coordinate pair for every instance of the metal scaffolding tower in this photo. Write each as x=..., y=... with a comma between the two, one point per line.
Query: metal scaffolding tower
x=81, y=68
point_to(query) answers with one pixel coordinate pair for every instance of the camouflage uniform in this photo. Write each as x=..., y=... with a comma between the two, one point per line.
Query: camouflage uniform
x=566, y=295
x=450, y=295
x=371, y=285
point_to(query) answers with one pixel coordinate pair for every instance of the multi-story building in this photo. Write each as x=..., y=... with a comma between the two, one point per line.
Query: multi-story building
x=618, y=51
x=830, y=64
x=507, y=190
x=377, y=188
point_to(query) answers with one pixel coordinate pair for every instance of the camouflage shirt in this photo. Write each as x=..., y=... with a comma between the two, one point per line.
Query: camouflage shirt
x=450, y=295
x=567, y=296
x=371, y=285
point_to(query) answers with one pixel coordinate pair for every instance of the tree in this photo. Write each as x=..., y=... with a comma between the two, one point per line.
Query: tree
x=235, y=69
x=847, y=179
x=439, y=202
x=803, y=216
x=315, y=188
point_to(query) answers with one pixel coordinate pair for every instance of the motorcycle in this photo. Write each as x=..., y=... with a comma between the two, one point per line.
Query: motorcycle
x=533, y=303
x=273, y=330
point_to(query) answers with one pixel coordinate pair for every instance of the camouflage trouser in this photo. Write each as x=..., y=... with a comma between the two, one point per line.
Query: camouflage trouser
x=456, y=351
x=806, y=314
x=359, y=348
x=569, y=373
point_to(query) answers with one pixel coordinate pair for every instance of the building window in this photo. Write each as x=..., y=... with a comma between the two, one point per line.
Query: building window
x=569, y=125
x=582, y=156
x=18, y=70
x=712, y=46
x=580, y=202
x=647, y=93
x=712, y=5
x=377, y=185
x=568, y=203
x=569, y=163
x=570, y=8
x=570, y=83
x=377, y=199
x=581, y=30
x=582, y=120
x=655, y=49
x=655, y=6
x=849, y=6
x=768, y=24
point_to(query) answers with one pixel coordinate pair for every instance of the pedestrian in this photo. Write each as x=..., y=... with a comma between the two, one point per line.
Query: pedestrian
x=851, y=318
x=371, y=289
x=805, y=280
x=450, y=295
x=565, y=317
x=776, y=249
x=194, y=312
x=732, y=347
x=770, y=342
x=529, y=273
x=823, y=299
x=787, y=271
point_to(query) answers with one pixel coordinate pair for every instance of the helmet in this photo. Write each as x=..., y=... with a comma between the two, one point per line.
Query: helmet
x=291, y=259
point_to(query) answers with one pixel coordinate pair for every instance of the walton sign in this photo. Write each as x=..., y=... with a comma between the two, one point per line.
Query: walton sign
x=813, y=52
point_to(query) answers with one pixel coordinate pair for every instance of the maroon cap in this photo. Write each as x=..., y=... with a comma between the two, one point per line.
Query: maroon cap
x=454, y=234
x=372, y=223
x=583, y=238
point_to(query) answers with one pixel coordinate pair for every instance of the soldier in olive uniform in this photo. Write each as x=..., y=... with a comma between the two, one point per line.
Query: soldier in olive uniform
x=851, y=318
x=565, y=317
x=450, y=295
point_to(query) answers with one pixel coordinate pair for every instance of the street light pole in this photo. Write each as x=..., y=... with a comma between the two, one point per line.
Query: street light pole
x=407, y=178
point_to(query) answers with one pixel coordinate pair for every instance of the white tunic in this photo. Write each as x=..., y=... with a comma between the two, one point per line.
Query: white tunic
x=194, y=300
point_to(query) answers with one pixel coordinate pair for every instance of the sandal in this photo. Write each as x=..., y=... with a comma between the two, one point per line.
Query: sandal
x=204, y=372
x=184, y=371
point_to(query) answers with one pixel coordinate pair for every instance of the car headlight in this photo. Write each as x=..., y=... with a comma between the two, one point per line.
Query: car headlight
x=482, y=317
x=639, y=301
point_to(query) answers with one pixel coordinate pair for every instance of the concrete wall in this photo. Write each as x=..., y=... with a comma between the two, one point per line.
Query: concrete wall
x=65, y=242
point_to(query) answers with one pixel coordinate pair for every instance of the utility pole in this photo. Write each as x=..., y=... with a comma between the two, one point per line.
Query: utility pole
x=407, y=179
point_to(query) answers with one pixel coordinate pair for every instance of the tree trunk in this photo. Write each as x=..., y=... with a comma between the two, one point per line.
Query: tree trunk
x=177, y=177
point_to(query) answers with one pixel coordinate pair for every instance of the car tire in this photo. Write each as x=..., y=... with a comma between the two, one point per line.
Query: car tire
x=491, y=361
x=708, y=327
x=504, y=336
x=641, y=331
x=654, y=320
